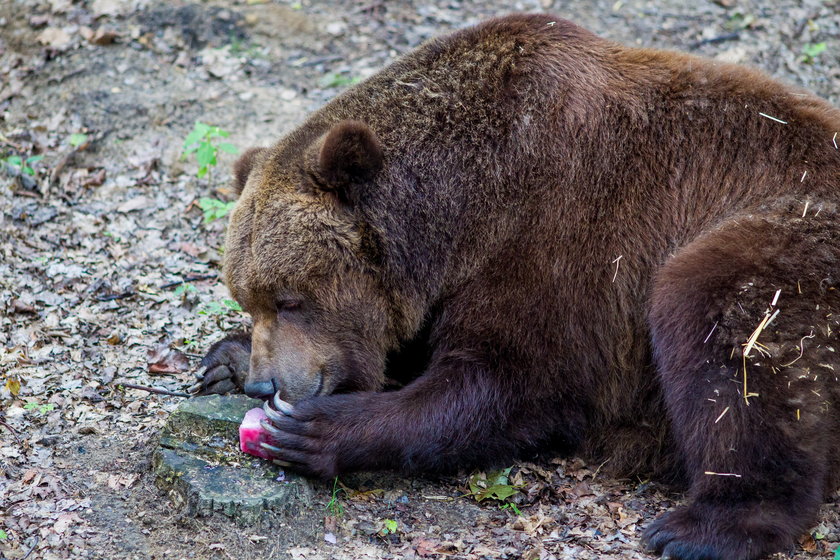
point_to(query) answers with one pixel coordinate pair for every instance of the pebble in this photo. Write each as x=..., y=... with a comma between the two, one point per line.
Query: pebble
x=335, y=28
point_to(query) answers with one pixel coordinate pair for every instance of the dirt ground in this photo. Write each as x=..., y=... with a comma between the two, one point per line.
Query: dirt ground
x=96, y=240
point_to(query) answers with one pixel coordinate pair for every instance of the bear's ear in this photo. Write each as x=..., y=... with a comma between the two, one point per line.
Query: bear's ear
x=350, y=154
x=243, y=166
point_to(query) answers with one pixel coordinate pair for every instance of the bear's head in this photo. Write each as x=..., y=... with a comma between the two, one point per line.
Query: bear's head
x=302, y=261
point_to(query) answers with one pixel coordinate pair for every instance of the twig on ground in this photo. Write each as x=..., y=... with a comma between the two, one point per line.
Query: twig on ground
x=188, y=279
x=8, y=142
x=714, y=40
x=37, y=540
x=12, y=430
x=113, y=297
x=154, y=390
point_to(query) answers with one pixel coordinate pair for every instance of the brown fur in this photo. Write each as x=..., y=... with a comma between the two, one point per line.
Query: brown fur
x=577, y=238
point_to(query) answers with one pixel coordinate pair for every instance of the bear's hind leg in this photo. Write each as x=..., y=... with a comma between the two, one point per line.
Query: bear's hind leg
x=744, y=324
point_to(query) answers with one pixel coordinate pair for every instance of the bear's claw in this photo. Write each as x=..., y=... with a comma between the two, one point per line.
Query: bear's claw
x=282, y=405
x=225, y=367
x=269, y=427
x=271, y=413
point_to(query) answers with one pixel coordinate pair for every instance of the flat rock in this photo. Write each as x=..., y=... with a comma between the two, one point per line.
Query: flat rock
x=199, y=464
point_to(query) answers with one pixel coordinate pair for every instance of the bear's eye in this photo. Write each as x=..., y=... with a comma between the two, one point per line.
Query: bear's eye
x=289, y=305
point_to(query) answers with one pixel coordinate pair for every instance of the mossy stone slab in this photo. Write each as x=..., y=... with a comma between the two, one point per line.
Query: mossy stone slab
x=199, y=464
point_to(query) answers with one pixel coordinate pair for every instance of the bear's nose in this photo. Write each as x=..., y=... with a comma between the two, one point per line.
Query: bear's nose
x=259, y=390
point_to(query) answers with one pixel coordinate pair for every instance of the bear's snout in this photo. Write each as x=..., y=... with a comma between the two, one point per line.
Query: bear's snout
x=260, y=389
x=284, y=360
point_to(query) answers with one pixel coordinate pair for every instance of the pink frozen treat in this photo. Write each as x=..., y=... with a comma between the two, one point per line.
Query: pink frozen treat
x=251, y=433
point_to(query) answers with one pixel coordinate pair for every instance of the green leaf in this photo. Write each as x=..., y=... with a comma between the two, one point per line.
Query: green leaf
x=390, y=525
x=498, y=492
x=494, y=485
x=185, y=289
x=17, y=161
x=191, y=140
x=28, y=170
x=214, y=208
x=202, y=171
x=3, y=535
x=334, y=79
x=34, y=159
x=206, y=203
x=229, y=148
x=837, y=553
x=511, y=506
x=201, y=128
x=499, y=477
x=206, y=154
x=77, y=139
x=217, y=132
x=813, y=50
x=211, y=308
x=30, y=406
x=232, y=305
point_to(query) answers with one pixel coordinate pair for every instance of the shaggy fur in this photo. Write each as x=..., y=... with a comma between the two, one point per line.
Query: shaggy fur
x=571, y=241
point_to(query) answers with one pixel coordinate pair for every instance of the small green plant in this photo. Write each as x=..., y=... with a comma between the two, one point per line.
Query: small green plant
x=238, y=47
x=184, y=289
x=739, y=21
x=389, y=527
x=220, y=307
x=837, y=553
x=3, y=535
x=811, y=51
x=23, y=165
x=39, y=408
x=77, y=139
x=511, y=506
x=190, y=344
x=494, y=486
x=202, y=141
x=214, y=208
x=335, y=79
x=334, y=506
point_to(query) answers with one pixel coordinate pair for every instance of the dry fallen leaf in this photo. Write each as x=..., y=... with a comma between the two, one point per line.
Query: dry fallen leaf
x=163, y=359
x=54, y=37
x=64, y=520
x=100, y=37
x=117, y=481
x=136, y=203
x=426, y=547
x=808, y=543
x=13, y=385
x=110, y=7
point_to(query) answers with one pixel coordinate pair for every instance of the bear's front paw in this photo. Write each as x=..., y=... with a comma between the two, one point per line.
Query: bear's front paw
x=296, y=438
x=709, y=532
x=225, y=366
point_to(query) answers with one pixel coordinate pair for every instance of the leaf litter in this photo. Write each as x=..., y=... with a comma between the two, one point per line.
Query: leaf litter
x=98, y=98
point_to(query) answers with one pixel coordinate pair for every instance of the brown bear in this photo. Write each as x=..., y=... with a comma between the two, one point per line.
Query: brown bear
x=556, y=242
